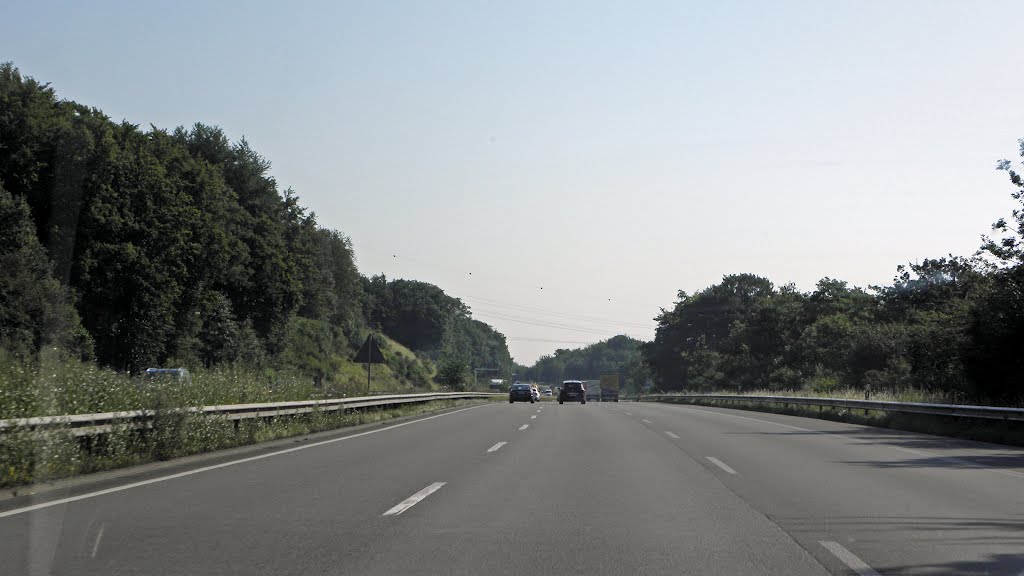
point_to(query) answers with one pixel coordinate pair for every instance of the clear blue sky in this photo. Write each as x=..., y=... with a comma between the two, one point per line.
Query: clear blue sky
x=611, y=153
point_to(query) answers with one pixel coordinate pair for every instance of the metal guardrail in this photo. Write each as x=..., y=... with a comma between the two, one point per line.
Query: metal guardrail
x=962, y=411
x=103, y=422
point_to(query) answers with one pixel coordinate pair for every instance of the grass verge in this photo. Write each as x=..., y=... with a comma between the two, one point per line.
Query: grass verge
x=30, y=457
x=980, y=429
x=54, y=384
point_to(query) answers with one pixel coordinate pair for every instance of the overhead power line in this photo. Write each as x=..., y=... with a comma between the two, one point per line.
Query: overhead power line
x=608, y=332
x=566, y=315
x=557, y=321
x=486, y=271
x=546, y=340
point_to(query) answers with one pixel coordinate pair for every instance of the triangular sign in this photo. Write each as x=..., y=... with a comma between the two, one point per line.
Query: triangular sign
x=369, y=352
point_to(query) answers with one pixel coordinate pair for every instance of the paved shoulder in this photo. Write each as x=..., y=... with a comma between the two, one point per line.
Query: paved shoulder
x=899, y=502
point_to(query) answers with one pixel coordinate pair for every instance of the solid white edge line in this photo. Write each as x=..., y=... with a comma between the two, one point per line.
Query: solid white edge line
x=848, y=558
x=671, y=435
x=524, y=426
x=496, y=446
x=414, y=499
x=721, y=464
x=215, y=466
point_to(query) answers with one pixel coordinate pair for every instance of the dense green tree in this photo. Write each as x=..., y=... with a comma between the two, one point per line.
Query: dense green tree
x=180, y=246
x=832, y=297
x=29, y=112
x=617, y=355
x=709, y=321
x=147, y=246
x=422, y=317
x=996, y=318
x=1008, y=246
x=453, y=367
x=133, y=252
x=35, y=310
x=484, y=347
x=996, y=332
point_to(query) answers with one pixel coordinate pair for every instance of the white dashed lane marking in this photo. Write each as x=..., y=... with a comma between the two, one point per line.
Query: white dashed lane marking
x=414, y=499
x=721, y=464
x=99, y=536
x=848, y=558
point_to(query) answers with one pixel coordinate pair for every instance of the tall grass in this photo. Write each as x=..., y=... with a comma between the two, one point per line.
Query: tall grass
x=904, y=395
x=27, y=457
x=55, y=385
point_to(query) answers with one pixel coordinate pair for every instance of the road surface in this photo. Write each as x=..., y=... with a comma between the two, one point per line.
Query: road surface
x=615, y=488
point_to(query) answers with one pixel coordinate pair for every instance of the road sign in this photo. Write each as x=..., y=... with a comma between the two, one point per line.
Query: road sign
x=369, y=353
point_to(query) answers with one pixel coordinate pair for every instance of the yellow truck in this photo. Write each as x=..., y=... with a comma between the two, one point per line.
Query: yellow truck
x=609, y=388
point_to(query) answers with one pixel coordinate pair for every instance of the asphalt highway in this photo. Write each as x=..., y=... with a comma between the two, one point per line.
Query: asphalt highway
x=613, y=488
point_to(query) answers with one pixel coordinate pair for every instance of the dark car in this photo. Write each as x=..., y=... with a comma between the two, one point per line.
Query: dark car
x=572, y=391
x=520, y=392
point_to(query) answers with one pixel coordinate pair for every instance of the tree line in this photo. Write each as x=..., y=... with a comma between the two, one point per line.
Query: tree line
x=617, y=355
x=952, y=325
x=138, y=248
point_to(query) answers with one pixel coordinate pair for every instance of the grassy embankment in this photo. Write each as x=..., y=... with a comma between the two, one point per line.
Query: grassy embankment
x=56, y=386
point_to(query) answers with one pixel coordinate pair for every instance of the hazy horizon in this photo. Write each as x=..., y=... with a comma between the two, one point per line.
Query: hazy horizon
x=566, y=169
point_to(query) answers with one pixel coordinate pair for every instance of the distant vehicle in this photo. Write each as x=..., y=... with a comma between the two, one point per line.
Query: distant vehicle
x=535, y=392
x=609, y=388
x=548, y=392
x=593, y=388
x=573, y=391
x=157, y=375
x=520, y=393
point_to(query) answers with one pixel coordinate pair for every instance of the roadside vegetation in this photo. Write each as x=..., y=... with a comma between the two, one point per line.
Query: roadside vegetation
x=949, y=328
x=617, y=355
x=125, y=249
x=29, y=457
x=903, y=395
x=56, y=385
